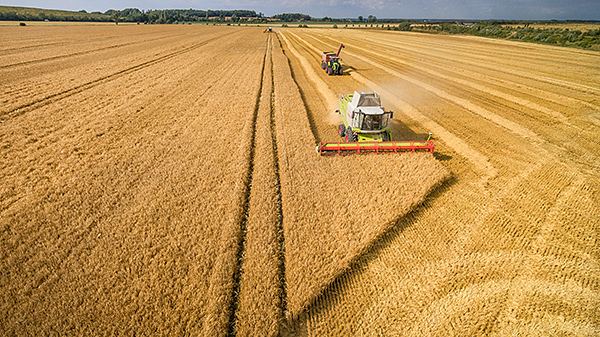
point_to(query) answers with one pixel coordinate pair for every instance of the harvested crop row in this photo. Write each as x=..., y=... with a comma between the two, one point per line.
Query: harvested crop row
x=261, y=296
x=335, y=208
x=119, y=213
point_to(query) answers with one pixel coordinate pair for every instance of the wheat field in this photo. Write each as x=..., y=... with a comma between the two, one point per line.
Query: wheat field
x=162, y=180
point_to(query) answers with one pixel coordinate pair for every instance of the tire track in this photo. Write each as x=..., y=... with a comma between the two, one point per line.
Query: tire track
x=66, y=56
x=310, y=114
x=262, y=298
x=281, y=236
x=104, y=79
x=246, y=200
x=29, y=47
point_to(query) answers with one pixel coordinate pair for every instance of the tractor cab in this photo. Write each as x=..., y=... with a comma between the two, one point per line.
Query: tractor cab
x=334, y=59
x=373, y=122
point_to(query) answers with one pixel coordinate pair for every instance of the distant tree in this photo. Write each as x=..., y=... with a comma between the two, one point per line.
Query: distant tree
x=115, y=17
x=290, y=17
x=404, y=26
x=360, y=18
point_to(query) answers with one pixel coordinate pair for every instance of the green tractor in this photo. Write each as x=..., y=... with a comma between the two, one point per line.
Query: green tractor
x=330, y=62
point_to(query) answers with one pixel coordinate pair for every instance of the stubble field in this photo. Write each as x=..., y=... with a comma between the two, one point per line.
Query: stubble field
x=163, y=180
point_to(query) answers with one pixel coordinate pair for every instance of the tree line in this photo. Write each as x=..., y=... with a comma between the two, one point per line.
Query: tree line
x=162, y=16
x=501, y=29
x=168, y=16
x=34, y=14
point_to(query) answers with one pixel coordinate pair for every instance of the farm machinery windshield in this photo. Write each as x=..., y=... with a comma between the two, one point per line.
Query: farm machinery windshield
x=366, y=129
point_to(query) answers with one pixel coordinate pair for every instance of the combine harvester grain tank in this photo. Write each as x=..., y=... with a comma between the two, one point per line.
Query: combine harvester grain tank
x=366, y=129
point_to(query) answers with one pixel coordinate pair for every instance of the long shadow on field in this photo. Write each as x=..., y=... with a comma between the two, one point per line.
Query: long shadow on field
x=401, y=131
x=322, y=302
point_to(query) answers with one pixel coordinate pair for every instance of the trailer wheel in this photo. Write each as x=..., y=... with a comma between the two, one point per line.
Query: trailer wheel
x=341, y=130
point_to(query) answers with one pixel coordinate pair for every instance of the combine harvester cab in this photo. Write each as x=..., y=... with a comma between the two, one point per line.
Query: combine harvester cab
x=330, y=62
x=366, y=129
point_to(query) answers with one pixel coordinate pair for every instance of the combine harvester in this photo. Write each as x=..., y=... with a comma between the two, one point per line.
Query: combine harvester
x=366, y=129
x=330, y=62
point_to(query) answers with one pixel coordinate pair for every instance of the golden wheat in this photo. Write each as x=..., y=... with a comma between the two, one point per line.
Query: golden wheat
x=120, y=199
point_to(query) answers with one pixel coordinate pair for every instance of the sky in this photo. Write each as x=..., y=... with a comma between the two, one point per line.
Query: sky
x=406, y=9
